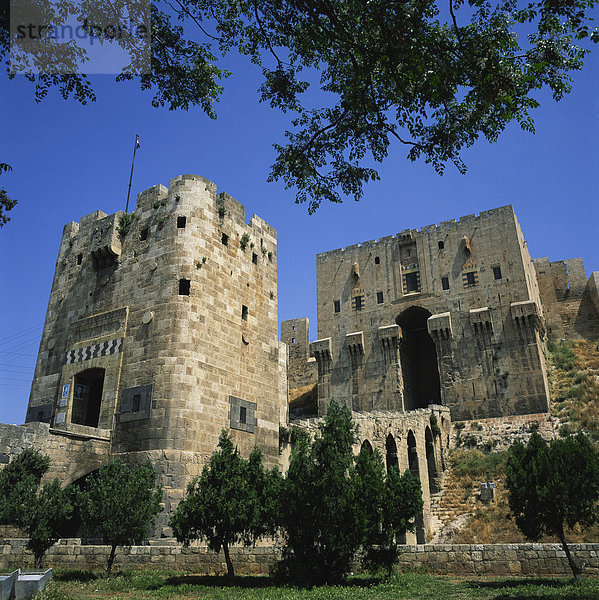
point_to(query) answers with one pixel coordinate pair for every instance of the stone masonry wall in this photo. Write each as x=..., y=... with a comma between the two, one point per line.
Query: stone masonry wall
x=457, y=303
x=570, y=302
x=459, y=559
x=72, y=453
x=499, y=434
x=301, y=369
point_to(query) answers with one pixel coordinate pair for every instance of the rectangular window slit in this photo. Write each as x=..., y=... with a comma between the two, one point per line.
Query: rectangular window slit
x=224, y=239
x=244, y=312
x=242, y=415
x=379, y=297
x=181, y=222
x=184, y=287
x=143, y=234
x=445, y=283
x=254, y=258
x=497, y=272
x=79, y=259
x=337, y=304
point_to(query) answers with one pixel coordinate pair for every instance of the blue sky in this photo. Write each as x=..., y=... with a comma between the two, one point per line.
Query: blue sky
x=70, y=160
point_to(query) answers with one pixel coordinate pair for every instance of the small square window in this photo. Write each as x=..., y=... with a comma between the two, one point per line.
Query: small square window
x=243, y=415
x=184, y=287
x=497, y=272
x=79, y=259
x=143, y=234
x=377, y=260
x=244, y=312
x=445, y=283
x=358, y=302
x=224, y=239
x=136, y=403
x=379, y=297
x=337, y=306
x=441, y=245
x=181, y=222
x=254, y=258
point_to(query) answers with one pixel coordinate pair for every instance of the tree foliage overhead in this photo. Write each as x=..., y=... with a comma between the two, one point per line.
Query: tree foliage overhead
x=38, y=511
x=553, y=486
x=232, y=501
x=122, y=502
x=6, y=203
x=431, y=75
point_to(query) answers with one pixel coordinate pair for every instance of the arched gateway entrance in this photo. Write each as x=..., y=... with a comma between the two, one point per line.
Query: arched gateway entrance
x=418, y=360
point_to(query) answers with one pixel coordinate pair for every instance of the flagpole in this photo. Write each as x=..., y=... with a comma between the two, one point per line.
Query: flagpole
x=135, y=145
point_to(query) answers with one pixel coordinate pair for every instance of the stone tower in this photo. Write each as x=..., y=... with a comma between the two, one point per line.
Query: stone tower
x=446, y=315
x=161, y=330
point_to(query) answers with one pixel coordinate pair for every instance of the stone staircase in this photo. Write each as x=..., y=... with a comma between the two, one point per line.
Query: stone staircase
x=450, y=503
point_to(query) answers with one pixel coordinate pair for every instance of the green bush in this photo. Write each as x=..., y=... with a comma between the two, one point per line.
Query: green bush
x=477, y=464
x=562, y=355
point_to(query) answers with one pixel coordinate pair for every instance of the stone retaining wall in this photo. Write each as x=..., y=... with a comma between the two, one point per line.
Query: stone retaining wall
x=456, y=559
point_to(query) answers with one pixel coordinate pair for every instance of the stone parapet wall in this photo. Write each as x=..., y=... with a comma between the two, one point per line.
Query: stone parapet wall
x=498, y=434
x=257, y=560
x=499, y=559
x=456, y=559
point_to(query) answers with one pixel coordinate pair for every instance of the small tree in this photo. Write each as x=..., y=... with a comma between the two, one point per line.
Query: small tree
x=228, y=503
x=390, y=503
x=36, y=511
x=122, y=502
x=322, y=522
x=552, y=486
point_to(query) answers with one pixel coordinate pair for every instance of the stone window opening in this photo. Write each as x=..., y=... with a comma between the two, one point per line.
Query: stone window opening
x=181, y=222
x=243, y=415
x=79, y=259
x=136, y=402
x=358, y=302
x=445, y=283
x=497, y=272
x=143, y=234
x=377, y=260
x=441, y=245
x=293, y=327
x=337, y=305
x=244, y=312
x=224, y=239
x=184, y=287
x=379, y=297
x=254, y=258
x=293, y=340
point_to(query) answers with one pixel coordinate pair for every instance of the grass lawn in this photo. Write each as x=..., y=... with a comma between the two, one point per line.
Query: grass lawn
x=138, y=585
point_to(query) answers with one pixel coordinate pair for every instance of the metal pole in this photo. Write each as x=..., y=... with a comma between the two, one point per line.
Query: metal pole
x=135, y=144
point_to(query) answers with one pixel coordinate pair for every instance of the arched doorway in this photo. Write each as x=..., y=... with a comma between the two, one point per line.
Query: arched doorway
x=433, y=474
x=415, y=469
x=87, y=397
x=366, y=447
x=391, y=447
x=418, y=360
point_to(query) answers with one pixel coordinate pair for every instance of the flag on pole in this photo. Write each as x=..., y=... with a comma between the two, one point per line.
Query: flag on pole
x=136, y=141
